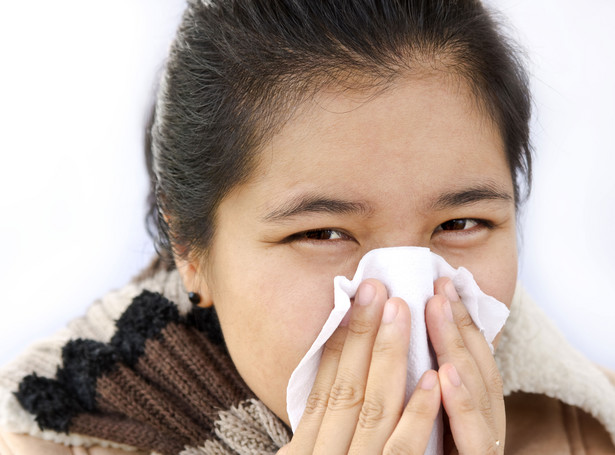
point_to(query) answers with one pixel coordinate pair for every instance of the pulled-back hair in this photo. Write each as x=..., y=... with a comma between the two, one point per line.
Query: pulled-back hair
x=238, y=68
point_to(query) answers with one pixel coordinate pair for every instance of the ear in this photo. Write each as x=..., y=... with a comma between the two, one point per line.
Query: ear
x=193, y=280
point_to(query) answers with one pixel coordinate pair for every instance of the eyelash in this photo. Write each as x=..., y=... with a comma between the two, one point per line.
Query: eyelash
x=313, y=235
x=305, y=235
x=480, y=224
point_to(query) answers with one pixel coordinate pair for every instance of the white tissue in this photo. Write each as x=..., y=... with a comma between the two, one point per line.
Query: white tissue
x=409, y=273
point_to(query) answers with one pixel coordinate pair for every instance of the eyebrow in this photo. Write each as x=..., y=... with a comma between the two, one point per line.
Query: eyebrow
x=305, y=204
x=310, y=203
x=469, y=196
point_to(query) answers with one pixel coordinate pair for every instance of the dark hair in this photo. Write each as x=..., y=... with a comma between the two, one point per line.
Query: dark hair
x=237, y=68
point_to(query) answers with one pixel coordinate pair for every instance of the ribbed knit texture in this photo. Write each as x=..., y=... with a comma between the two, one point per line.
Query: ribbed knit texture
x=161, y=384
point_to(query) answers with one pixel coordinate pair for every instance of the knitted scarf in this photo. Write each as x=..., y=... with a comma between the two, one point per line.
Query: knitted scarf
x=145, y=369
x=164, y=383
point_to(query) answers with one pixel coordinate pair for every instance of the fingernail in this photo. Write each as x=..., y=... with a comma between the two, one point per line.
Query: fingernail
x=367, y=292
x=389, y=313
x=451, y=292
x=429, y=380
x=448, y=313
x=453, y=376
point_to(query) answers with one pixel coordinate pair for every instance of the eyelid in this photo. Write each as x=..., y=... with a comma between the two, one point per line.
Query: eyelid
x=480, y=224
x=299, y=236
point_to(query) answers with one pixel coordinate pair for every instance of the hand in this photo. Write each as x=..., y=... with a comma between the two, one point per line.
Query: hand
x=469, y=378
x=356, y=403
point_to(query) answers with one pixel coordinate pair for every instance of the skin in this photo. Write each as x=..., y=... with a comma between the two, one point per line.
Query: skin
x=349, y=173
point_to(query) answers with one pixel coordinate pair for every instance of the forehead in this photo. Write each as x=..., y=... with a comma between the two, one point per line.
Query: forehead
x=429, y=132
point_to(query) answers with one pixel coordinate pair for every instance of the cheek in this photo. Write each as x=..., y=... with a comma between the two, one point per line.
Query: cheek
x=499, y=283
x=493, y=265
x=270, y=316
x=496, y=273
x=281, y=306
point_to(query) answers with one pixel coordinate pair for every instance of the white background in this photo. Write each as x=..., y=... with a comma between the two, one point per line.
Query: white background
x=76, y=80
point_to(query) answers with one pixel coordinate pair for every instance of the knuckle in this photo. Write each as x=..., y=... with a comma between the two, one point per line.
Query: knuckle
x=344, y=396
x=359, y=327
x=372, y=414
x=458, y=345
x=316, y=402
x=464, y=321
x=484, y=405
x=383, y=348
x=417, y=411
x=466, y=405
x=333, y=348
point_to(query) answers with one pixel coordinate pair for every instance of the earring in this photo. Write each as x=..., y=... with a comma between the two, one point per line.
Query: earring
x=194, y=298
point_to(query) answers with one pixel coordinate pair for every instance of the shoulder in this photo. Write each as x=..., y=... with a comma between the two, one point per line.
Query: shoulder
x=22, y=444
x=551, y=387
x=19, y=432
x=538, y=424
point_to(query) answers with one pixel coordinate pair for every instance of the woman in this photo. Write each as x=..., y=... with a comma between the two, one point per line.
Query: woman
x=290, y=139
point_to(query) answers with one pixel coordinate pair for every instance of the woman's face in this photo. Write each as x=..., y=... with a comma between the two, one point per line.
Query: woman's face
x=416, y=165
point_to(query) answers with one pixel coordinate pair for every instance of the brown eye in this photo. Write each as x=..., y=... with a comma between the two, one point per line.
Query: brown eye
x=458, y=225
x=323, y=234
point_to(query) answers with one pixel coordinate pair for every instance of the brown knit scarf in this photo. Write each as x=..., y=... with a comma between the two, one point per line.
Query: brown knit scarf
x=164, y=383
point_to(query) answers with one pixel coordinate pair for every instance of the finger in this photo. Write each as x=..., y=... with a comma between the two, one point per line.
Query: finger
x=470, y=430
x=386, y=382
x=479, y=350
x=305, y=436
x=414, y=429
x=449, y=347
x=348, y=389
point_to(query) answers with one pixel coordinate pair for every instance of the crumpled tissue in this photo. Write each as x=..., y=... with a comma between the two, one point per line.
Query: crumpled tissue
x=409, y=273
